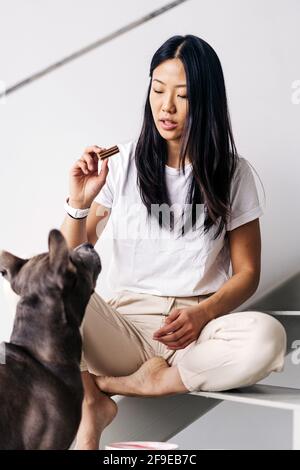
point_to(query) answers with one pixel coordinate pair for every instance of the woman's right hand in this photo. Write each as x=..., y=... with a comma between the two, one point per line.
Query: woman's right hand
x=85, y=183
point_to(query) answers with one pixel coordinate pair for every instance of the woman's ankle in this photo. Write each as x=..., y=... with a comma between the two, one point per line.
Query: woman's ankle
x=86, y=443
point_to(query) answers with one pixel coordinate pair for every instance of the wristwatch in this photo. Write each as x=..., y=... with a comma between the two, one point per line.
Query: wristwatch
x=75, y=213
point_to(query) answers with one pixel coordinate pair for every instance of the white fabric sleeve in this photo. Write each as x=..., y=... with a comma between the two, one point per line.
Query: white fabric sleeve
x=106, y=195
x=244, y=197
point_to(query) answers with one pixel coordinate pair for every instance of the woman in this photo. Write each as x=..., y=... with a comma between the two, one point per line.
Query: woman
x=169, y=328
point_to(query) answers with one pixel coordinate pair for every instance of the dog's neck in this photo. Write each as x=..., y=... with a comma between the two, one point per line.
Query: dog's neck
x=47, y=330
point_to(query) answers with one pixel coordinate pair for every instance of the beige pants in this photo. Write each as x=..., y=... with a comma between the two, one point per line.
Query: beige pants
x=234, y=350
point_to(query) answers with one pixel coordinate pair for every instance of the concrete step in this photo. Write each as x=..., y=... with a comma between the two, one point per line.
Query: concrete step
x=161, y=418
x=263, y=395
x=285, y=313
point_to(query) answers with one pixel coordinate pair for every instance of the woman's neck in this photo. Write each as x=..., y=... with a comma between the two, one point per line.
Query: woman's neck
x=173, y=155
x=173, y=162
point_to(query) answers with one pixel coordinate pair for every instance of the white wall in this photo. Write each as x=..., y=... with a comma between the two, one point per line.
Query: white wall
x=99, y=98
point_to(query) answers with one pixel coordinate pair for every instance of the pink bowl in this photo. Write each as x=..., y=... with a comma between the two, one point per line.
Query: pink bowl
x=141, y=445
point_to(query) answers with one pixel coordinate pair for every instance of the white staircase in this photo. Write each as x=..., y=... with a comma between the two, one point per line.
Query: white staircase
x=162, y=418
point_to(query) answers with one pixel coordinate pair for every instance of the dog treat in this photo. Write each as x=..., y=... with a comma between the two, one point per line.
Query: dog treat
x=108, y=153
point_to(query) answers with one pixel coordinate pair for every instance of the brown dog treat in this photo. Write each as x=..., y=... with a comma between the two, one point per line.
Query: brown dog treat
x=109, y=152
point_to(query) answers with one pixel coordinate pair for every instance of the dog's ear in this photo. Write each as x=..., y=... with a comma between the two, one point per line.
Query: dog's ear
x=58, y=249
x=10, y=265
x=59, y=252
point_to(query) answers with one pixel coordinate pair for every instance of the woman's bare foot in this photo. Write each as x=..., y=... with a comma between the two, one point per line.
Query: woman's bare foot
x=146, y=381
x=97, y=413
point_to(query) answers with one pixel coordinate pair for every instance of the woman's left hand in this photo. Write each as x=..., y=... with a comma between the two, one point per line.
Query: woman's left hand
x=182, y=327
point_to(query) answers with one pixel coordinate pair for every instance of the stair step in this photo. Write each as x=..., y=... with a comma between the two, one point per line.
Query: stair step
x=288, y=313
x=264, y=395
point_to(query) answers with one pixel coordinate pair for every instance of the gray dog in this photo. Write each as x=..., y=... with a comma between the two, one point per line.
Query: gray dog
x=41, y=391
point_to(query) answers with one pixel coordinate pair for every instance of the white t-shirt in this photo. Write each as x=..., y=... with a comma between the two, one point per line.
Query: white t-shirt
x=147, y=260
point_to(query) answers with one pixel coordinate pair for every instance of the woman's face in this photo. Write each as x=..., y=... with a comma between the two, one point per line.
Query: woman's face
x=168, y=100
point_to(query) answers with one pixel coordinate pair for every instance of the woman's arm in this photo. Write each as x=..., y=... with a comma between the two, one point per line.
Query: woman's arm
x=89, y=229
x=245, y=253
x=85, y=183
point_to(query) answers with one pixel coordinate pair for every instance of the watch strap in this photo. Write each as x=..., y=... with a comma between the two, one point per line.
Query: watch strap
x=75, y=213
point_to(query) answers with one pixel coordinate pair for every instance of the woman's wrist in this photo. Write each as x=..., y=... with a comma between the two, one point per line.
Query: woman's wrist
x=77, y=212
x=205, y=310
x=78, y=204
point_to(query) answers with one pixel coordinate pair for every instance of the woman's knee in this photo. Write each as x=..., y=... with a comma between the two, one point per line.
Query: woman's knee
x=267, y=343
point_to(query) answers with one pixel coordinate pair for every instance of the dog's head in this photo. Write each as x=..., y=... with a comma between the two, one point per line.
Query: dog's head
x=68, y=274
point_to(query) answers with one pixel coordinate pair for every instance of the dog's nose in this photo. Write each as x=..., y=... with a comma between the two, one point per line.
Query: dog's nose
x=88, y=245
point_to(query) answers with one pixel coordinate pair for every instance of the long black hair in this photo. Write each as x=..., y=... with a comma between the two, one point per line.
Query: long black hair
x=207, y=137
